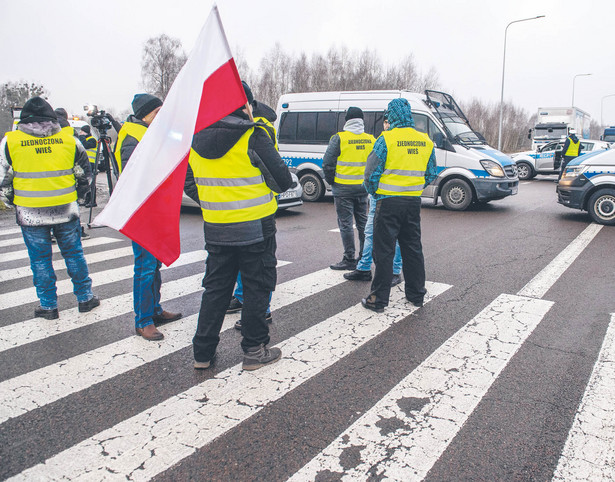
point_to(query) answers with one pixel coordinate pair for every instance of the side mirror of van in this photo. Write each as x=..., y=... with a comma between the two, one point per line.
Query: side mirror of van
x=529, y=133
x=442, y=142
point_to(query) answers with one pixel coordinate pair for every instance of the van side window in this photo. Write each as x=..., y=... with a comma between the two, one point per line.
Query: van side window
x=378, y=120
x=435, y=134
x=288, y=127
x=368, y=119
x=420, y=122
x=326, y=125
x=306, y=126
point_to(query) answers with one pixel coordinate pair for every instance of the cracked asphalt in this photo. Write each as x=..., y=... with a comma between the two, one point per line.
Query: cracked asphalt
x=516, y=431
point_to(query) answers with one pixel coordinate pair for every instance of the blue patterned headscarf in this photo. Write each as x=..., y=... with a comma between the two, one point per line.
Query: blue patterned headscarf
x=399, y=113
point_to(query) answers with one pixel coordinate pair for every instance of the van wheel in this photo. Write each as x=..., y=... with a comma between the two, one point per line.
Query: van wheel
x=524, y=171
x=601, y=206
x=456, y=195
x=313, y=188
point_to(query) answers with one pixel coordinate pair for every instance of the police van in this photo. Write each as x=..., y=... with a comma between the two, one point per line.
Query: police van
x=588, y=183
x=468, y=169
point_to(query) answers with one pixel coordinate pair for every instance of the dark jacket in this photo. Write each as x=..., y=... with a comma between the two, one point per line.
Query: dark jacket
x=130, y=143
x=213, y=143
x=89, y=142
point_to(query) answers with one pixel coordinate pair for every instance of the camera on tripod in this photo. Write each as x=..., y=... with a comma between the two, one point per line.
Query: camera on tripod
x=99, y=118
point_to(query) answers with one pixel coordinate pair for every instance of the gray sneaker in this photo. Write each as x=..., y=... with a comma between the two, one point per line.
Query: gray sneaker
x=259, y=356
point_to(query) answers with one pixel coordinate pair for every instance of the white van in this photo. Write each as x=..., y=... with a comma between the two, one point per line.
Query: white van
x=468, y=169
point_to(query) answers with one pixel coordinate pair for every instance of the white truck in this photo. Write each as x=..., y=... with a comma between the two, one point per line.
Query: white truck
x=554, y=124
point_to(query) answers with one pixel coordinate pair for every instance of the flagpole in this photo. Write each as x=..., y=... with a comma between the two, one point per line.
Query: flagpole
x=249, y=109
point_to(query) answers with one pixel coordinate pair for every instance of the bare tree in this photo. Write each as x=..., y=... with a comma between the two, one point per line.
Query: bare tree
x=163, y=58
x=15, y=94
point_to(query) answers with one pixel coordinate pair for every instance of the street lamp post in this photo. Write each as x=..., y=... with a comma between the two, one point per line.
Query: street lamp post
x=503, y=70
x=573, y=79
x=602, y=107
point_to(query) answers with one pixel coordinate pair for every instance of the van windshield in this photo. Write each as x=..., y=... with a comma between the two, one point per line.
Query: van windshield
x=460, y=130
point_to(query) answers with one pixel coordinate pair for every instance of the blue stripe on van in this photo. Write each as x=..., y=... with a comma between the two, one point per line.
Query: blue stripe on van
x=498, y=156
x=297, y=161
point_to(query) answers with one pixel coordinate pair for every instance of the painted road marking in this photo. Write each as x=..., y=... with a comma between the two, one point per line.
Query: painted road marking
x=86, y=243
x=4, y=232
x=40, y=387
x=337, y=230
x=544, y=280
x=156, y=439
x=407, y=431
x=589, y=453
x=60, y=264
x=28, y=295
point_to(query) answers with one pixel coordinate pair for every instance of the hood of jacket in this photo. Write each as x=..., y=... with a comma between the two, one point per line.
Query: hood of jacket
x=356, y=126
x=215, y=141
x=263, y=110
x=399, y=113
x=39, y=129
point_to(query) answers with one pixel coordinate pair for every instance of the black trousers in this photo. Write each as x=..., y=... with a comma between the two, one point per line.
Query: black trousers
x=398, y=219
x=351, y=209
x=565, y=161
x=257, y=265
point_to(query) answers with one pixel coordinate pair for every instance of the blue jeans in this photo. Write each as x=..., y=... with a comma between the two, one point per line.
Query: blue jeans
x=239, y=293
x=38, y=242
x=365, y=264
x=146, y=286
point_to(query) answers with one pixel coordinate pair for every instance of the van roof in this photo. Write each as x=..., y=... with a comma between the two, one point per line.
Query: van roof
x=414, y=98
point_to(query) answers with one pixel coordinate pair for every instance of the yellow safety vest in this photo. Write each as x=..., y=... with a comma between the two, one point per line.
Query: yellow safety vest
x=231, y=189
x=128, y=129
x=91, y=151
x=43, y=168
x=573, y=149
x=270, y=131
x=354, y=149
x=408, y=152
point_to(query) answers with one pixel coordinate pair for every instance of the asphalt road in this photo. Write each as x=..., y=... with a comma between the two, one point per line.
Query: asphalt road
x=487, y=381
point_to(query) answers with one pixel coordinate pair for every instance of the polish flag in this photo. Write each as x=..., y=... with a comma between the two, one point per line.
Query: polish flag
x=145, y=204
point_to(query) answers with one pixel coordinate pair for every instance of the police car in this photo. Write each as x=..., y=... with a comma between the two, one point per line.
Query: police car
x=589, y=184
x=547, y=158
x=288, y=199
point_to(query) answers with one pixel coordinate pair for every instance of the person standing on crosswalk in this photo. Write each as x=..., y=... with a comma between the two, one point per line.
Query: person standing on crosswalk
x=344, y=164
x=43, y=171
x=234, y=174
x=401, y=164
x=147, y=279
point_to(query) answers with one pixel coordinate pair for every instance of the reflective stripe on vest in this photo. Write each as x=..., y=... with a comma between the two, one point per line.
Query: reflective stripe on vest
x=43, y=168
x=354, y=149
x=91, y=151
x=408, y=152
x=231, y=189
x=128, y=129
x=573, y=149
x=270, y=131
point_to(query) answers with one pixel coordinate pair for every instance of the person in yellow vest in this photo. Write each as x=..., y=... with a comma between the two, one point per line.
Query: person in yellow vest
x=89, y=142
x=344, y=166
x=44, y=170
x=401, y=164
x=147, y=279
x=234, y=174
x=572, y=149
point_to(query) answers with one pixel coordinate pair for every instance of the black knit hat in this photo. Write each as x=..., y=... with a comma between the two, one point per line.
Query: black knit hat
x=61, y=113
x=86, y=128
x=37, y=109
x=143, y=104
x=248, y=91
x=354, y=113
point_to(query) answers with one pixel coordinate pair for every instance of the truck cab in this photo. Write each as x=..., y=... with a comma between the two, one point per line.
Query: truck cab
x=468, y=169
x=589, y=184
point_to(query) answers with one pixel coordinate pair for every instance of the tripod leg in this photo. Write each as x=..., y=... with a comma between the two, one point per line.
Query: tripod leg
x=109, y=162
x=93, y=185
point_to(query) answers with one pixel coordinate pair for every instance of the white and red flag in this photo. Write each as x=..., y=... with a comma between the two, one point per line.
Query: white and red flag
x=145, y=204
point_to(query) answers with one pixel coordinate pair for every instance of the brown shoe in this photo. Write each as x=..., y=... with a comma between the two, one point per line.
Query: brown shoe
x=150, y=332
x=165, y=317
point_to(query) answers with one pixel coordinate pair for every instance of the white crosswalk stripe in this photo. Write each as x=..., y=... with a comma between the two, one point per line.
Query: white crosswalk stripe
x=28, y=295
x=60, y=264
x=40, y=387
x=175, y=428
x=589, y=453
x=7, y=231
x=86, y=243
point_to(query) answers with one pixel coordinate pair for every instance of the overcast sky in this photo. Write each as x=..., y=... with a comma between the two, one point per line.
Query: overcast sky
x=90, y=51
